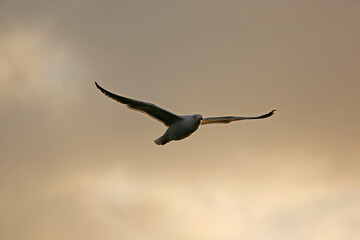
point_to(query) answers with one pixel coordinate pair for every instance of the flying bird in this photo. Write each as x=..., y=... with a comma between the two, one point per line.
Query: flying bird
x=179, y=127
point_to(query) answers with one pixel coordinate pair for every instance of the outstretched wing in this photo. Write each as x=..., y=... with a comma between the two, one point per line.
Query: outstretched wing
x=150, y=109
x=231, y=119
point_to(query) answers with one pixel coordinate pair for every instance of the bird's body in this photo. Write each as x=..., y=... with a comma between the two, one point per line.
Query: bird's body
x=179, y=127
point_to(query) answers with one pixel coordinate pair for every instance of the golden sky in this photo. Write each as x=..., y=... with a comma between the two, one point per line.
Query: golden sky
x=77, y=165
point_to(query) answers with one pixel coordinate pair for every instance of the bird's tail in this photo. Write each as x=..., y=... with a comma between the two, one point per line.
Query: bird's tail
x=161, y=141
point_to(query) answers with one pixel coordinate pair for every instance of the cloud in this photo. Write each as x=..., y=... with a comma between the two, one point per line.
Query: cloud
x=116, y=202
x=32, y=64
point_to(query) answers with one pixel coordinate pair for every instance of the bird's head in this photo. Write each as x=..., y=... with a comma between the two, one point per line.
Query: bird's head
x=197, y=116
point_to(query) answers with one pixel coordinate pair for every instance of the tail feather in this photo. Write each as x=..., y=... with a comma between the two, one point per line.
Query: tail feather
x=161, y=141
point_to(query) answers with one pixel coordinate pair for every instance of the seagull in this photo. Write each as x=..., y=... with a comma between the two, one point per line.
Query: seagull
x=179, y=127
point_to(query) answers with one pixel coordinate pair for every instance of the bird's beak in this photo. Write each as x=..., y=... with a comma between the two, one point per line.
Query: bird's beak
x=201, y=118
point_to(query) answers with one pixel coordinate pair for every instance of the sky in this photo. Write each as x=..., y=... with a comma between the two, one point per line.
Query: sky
x=77, y=165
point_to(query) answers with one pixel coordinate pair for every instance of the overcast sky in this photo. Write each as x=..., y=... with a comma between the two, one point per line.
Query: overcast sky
x=77, y=165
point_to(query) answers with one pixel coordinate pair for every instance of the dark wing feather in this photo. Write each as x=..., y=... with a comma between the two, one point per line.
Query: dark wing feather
x=150, y=109
x=231, y=118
